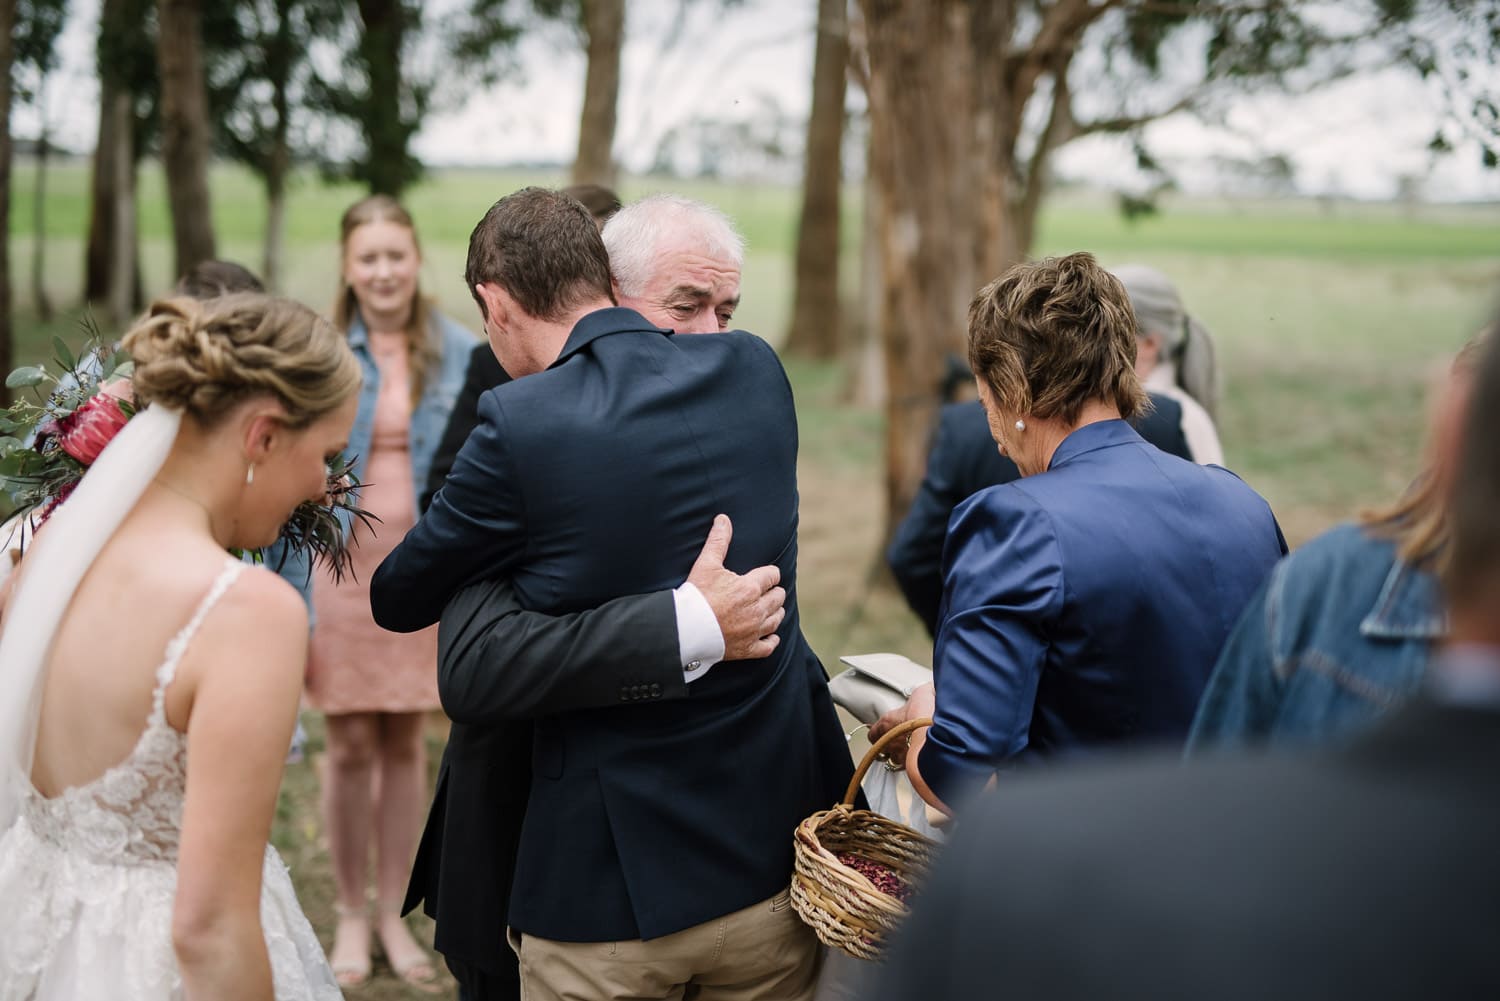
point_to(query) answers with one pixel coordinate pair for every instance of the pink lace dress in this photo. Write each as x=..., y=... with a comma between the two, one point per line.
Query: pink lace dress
x=89, y=878
x=354, y=665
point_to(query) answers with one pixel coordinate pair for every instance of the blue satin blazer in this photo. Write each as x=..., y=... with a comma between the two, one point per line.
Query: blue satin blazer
x=1086, y=605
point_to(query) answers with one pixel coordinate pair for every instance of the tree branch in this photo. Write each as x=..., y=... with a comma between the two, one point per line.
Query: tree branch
x=1128, y=123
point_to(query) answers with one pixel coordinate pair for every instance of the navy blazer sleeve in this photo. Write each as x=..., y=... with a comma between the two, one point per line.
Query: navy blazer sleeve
x=498, y=662
x=484, y=373
x=963, y=459
x=1003, y=591
x=916, y=552
x=475, y=528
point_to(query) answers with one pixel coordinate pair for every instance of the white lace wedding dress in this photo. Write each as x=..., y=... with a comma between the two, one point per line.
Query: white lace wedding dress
x=88, y=878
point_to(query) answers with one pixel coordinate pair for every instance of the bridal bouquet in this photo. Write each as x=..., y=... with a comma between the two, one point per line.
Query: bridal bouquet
x=81, y=402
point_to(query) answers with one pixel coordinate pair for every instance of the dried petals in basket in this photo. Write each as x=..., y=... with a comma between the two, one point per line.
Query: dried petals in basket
x=843, y=906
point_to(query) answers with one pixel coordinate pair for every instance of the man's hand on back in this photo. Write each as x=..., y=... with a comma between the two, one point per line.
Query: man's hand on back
x=749, y=607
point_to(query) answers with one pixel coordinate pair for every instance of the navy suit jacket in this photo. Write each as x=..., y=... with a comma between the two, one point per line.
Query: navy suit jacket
x=1086, y=605
x=963, y=460
x=598, y=478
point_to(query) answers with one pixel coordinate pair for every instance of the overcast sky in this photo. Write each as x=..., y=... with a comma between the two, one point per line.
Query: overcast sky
x=1356, y=138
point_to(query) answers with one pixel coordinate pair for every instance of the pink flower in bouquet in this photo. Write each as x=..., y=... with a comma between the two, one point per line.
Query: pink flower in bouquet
x=84, y=433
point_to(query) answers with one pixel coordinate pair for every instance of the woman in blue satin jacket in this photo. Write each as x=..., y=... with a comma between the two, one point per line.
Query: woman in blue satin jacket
x=1344, y=627
x=1085, y=603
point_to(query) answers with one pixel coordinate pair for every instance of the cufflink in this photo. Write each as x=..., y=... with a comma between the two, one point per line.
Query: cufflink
x=693, y=665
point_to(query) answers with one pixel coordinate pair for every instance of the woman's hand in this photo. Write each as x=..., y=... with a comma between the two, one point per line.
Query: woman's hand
x=920, y=705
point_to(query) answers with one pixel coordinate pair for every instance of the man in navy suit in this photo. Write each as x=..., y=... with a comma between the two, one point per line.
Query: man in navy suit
x=656, y=851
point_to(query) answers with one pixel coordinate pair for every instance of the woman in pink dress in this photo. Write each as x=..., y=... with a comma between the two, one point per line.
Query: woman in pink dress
x=375, y=686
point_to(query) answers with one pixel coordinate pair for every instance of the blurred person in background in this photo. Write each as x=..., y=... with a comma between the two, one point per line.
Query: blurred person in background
x=484, y=371
x=1364, y=869
x=375, y=686
x=1343, y=629
x=1085, y=603
x=1175, y=358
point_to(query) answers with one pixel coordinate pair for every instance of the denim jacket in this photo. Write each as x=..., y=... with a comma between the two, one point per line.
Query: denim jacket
x=430, y=416
x=428, y=419
x=1340, y=632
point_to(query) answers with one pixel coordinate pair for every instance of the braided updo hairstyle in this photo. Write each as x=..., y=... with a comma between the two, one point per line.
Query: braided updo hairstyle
x=207, y=356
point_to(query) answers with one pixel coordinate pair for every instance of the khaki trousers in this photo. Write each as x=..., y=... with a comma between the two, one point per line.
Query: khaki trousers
x=761, y=953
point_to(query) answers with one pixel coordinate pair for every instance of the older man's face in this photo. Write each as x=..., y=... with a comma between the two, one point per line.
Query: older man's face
x=688, y=292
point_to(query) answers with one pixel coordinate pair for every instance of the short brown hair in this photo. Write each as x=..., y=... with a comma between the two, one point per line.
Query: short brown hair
x=1049, y=336
x=543, y=248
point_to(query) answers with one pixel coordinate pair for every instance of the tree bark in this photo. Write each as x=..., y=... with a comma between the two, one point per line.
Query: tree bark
x=816, y=315
x=39, y=298
x=7, y=332
x=123, y=275
x=101, y=240
x=279, y=163
x=922, y=121
x=604, y=24
x=185, y=132
x=385, y=135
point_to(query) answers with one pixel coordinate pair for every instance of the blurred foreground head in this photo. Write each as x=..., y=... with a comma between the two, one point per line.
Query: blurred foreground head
x=1472, y=579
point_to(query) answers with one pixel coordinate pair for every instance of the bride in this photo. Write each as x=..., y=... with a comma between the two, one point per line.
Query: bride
x=149, y=681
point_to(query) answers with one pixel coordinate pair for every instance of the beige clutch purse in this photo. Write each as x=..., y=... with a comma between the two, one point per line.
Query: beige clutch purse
x=875, y=683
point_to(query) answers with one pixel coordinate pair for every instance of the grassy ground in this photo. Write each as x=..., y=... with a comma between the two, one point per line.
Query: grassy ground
x=1329, y=319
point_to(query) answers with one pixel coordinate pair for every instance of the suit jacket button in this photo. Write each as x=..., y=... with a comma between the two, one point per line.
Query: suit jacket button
x=656, y=691
x=624, y=695
x=635, y=691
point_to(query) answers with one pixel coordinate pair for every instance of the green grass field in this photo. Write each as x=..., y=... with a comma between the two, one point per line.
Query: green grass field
x=1329, y=319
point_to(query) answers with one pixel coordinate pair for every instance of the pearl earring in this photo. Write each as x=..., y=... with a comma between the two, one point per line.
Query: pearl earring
x=250, y=475
x=1020, y=425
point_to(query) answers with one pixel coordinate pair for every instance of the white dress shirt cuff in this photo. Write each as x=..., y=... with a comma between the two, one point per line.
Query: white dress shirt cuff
x=699, y=640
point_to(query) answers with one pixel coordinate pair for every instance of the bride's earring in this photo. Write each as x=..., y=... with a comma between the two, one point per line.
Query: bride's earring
x=250, y=475
x=1020, y=425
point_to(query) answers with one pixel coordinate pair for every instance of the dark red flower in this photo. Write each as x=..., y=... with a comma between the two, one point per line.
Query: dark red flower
x=84, y=433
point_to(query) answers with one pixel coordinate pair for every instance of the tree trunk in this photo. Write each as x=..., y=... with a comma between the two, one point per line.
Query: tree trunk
x=604, y=23
x=39, y=298
x=7, y=332
x=995, y=127
x=123, y=273
x=277, y=168
x=275, y=249
x=815, y=306
x=867, y=385
x=385, y=131
x=922, y=121
x=101, y=240
x=185, y=132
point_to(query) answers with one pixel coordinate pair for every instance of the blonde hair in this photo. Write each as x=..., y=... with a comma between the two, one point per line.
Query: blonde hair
x=204, y=357
x=424, y=346
x=1049, y=336
x=1419, y=521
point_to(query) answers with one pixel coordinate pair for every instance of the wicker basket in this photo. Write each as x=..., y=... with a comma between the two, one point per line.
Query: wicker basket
x=843, y=907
